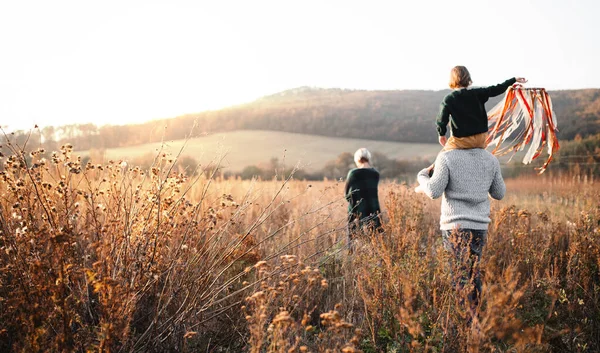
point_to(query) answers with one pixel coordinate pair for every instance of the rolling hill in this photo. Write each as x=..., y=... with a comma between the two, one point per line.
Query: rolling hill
x=251, y=147
x=400, y=116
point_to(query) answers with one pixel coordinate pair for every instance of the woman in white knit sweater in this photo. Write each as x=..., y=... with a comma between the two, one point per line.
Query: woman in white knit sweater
x=465, y=179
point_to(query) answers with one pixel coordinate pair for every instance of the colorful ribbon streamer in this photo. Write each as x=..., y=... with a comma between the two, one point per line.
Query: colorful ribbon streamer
x=524, y=117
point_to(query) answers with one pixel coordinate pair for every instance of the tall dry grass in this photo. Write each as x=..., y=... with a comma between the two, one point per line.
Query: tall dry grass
x=109, y=257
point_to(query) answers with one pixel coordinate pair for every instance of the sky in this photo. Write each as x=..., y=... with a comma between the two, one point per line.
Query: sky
x=119, y=62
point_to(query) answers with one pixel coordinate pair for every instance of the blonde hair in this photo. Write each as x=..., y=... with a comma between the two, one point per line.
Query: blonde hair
x=459, y=77
x=362, y=155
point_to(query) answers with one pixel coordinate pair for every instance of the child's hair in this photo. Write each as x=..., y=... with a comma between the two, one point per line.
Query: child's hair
x=460, y=77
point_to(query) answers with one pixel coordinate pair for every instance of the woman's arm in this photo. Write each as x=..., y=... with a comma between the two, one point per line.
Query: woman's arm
x=435, y=185
x=349, y=181
x=498, y=188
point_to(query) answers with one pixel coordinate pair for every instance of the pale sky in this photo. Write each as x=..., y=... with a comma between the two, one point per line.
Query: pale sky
x=117, y=62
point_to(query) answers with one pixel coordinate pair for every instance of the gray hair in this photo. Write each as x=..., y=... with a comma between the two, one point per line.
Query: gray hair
x=362, y=153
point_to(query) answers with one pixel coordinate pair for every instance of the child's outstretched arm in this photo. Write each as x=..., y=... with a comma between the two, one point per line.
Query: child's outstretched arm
x=493, y=91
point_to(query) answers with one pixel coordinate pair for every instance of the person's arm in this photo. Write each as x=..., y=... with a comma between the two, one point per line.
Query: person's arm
x=493, y=91
x=435, y=185
x=442, y=120
x=349, y=181
x=498, y=188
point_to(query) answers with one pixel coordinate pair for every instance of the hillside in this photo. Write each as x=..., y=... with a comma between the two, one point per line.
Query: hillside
x=246, y=148
x=406, y=116
x=401, y=116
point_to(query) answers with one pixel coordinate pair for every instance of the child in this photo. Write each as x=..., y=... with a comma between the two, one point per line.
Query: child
x=466, y=107
x=465, y=110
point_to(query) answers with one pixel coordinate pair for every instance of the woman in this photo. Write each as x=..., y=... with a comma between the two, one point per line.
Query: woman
x=361, y=193
x=464, y=178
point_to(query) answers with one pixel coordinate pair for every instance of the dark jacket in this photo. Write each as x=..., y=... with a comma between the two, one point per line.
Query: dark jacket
x=466, y=107
x=361, y=193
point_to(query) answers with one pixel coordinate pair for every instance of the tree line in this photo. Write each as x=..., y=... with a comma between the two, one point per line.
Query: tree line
x=402, y=116
x=580, y=156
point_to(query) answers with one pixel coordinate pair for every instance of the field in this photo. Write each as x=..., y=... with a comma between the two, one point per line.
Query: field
x=109, y=258
x=249, y=147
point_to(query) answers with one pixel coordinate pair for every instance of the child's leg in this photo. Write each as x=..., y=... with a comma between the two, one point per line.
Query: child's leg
x=475, y=141
x=464, y=143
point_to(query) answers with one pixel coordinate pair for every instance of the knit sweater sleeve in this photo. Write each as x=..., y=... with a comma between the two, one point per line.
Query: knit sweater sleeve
x=435, y=185
x=498, y=188
x=493, y=91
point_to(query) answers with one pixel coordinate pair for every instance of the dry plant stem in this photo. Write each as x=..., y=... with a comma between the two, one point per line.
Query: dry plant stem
x=195, y=297
x=17, y=151
x=98, y=292
x=275, y=255
x=272, y=275
x=261, y=219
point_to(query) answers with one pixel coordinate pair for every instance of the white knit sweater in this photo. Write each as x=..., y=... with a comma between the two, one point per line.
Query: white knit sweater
x=464, y=178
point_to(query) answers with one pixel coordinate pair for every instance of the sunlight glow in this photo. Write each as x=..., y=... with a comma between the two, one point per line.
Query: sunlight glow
x=118, y=62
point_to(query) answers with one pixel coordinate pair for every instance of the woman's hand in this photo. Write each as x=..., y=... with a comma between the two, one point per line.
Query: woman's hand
x=521, y=79
x=430, y=170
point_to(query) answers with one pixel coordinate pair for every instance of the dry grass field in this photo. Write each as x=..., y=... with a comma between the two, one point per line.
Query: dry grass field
x=112, y=258
x=250, y=147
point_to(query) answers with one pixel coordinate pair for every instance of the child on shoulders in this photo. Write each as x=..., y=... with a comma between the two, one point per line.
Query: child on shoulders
x=464, y=108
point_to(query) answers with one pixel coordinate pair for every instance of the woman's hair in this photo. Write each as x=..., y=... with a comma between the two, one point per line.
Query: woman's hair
x=460, y=77
x=362, y=155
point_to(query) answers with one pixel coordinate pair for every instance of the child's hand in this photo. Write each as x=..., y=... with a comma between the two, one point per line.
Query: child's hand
x=521, y=79
x=442, y=140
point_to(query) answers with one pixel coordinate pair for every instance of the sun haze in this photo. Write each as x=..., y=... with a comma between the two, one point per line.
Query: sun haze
x=119, y=62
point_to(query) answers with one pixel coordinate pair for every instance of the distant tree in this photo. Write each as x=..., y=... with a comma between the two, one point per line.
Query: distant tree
x=250, y=172
x=187, y=165
x=49, y=138
x=405, y=116
x=339, y=167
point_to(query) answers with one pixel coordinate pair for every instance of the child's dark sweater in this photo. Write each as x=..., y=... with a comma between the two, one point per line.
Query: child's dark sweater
x=465, y=109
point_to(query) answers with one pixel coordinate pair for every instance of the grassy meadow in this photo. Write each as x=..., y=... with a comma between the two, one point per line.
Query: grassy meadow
x=253, y=147
x=112, y=258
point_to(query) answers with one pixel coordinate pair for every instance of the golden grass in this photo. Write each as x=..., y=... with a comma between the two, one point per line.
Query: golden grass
x=114, y=258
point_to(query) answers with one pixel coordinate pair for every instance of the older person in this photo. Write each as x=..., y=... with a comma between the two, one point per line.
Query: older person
x=464, y=178
x=361, y=193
